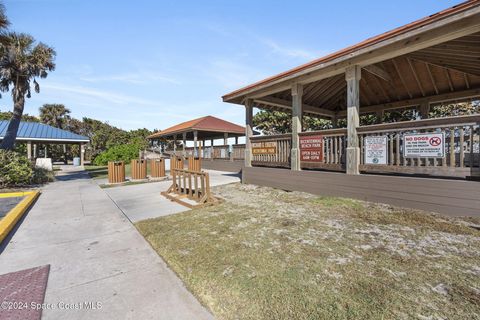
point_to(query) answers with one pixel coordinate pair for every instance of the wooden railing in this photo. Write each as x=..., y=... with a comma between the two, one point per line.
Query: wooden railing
x=332, y=154
x=271, y=151
x=459, y=137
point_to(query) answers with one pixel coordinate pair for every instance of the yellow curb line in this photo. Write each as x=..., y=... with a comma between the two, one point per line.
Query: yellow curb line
x=12, y=217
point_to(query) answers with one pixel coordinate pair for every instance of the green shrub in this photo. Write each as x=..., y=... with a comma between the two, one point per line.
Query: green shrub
x=123, y=152
x=41, y=175
x=15, y=169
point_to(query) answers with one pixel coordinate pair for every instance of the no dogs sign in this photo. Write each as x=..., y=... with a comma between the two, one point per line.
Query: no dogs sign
x=427, y=145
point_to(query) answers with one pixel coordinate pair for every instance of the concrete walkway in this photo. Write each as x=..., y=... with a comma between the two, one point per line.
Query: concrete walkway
x=96, y=255
x=143, y=201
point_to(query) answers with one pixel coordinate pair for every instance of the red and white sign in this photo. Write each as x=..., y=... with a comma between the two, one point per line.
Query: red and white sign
x=424, y=145
x=311, y=148
x=375, y=150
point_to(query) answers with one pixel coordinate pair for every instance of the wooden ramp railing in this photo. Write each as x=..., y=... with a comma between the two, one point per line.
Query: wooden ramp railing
x=190, y=188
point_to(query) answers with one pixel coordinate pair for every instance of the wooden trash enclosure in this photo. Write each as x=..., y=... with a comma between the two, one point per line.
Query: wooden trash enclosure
x=116, y=172
x=139, y=169
x=191, y=185
x=157, y=168
x=176, y=163
x=194, y=163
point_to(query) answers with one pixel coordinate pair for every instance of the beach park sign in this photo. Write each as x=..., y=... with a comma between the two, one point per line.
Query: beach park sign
x=424, y=145
x=311, y=148
x=264, y=148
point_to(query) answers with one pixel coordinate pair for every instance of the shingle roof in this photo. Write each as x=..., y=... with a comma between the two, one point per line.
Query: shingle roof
x=42, y=132
x=208, y=124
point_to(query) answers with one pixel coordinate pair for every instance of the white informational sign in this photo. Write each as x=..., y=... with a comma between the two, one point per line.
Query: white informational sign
x=426, y=145
x=375, y=150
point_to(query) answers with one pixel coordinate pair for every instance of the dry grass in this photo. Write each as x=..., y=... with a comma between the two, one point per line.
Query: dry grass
x=270, y=254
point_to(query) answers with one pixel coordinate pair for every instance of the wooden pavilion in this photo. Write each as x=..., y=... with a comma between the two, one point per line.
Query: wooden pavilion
x=199, y=131
x=420, y=65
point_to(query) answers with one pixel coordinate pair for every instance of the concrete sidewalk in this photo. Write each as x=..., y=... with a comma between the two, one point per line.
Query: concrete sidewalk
x=96, y=255
x=143, y=201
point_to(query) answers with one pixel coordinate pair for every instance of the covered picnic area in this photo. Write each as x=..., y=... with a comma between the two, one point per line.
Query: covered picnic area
x=427, y=63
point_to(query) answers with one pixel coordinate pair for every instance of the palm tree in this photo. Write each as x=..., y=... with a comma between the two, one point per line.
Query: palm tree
x=56, y=115
x=22, y=61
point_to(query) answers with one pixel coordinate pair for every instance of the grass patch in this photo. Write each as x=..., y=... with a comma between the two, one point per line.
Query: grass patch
x=270, y=254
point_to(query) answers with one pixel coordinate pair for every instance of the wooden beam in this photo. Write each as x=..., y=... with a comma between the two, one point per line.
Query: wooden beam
x=379, y=72
x=297, y=115
x=401, y=78
x=352, y=76
x=248, y=132
x=431, y=77
x=285, y=104
x=451, y=96
x=412, y=68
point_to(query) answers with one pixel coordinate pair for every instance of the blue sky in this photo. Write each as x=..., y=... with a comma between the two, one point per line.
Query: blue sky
x=156, y=63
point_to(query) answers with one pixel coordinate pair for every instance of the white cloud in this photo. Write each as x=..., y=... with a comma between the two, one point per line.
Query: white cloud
x=107, y=96
x=289, y=52
x=139, y=77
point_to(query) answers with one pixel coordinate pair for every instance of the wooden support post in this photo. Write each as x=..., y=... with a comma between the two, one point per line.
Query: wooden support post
x=34, y=151
x=424, y=110
x=29, y=150
x=236, y=140
x=195, y=143
x=45, y=153
x=175, y=144
x=335, y=120
x=211, y=142
x=297, y=92
x=82, y=154
x=65, y=153
x=184, y=136
x=225, y=138
x=379, y=115
x=248, y=131
x=352, y=76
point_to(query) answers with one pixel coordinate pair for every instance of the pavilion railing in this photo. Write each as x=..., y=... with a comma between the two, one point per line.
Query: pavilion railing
x=271, y=151
x=332, y=153
x=460, y=136
x=222, y=152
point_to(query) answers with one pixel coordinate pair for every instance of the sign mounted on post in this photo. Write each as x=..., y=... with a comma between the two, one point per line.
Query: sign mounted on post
x=311, y=148
x=424, y=145
x=264, y=148
x=375, y=150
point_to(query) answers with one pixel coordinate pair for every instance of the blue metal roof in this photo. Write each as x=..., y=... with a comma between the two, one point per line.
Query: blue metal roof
x=41, y=132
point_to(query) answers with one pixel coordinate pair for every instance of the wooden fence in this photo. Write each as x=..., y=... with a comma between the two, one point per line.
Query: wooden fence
x=193, y=185
x=458, y=138
x=116, y=172
x=271, y=151
x=332, y=155
x=458, y=135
